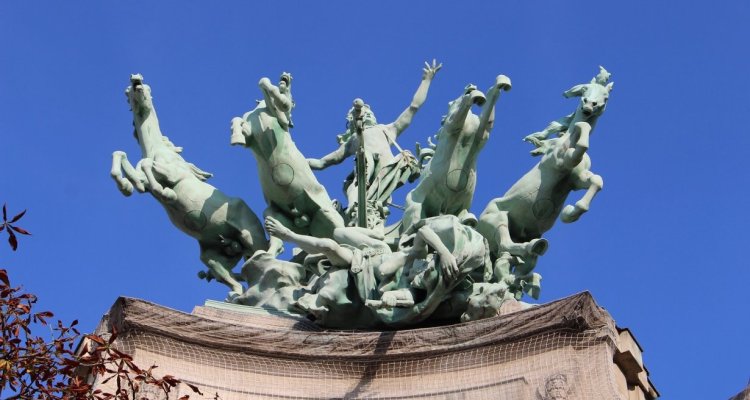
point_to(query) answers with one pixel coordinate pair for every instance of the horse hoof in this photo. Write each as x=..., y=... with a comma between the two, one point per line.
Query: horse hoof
x=503, y=82
x=140, y=187
x=232, y=297
x=570, y=214
x=237, y=139
x=538, y=246
x=126, y=188
x=469, y=219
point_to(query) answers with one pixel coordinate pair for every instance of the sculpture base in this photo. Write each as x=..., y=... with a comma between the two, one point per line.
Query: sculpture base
x=567, y=349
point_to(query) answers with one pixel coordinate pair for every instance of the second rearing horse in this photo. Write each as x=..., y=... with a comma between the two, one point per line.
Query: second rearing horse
x=448, y=181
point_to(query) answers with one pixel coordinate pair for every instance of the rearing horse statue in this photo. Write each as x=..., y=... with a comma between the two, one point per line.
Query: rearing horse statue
x=513, y=224
x=448, y=181
x=225, y=227
x=293, y=194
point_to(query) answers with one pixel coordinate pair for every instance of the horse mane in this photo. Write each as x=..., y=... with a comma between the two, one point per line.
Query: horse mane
x=545, y=146
x=170, y=145
x=197, y=172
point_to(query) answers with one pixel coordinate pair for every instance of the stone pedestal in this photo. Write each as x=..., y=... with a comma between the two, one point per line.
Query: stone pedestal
x=567, y=349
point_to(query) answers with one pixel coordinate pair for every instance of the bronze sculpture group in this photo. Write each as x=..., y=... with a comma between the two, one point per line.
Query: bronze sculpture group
x=439, y=262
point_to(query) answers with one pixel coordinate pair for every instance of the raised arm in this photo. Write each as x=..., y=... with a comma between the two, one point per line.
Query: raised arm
x=332, y=158
x=397, y=127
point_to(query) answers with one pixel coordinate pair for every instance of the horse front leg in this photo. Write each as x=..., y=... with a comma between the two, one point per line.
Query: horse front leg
x=579, y=146
x=132, y=177
x=238, y=132
x=487, y=117
x=584, y=179
x=116, y=172
x=251, y=236
x=162, y=193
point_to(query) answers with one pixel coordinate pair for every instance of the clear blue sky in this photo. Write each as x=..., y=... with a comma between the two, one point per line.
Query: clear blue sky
x=663, y=248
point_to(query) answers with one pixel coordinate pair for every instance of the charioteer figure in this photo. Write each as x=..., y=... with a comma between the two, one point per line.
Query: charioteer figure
x=384, y=172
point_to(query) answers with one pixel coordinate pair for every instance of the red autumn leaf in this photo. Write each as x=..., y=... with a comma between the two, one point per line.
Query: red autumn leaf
x=2, y=227
x=17, y=217
x=42, y=316
x=12, y=240
x=5, y=212
x=20, y=230
x=113, y=335
x=96, y=339
x=4, y=277
x=194, y=388
x=122, y=355
x=170, y=380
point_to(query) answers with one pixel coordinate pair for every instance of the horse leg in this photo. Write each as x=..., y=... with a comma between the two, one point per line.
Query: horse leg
x=118, y=159
x=504, y=242
x=252, y=237
x=584, y=179
x=237, y=138
x=165, y=194
x=220, y=266
x=134, y=175
x=413, y=212
x=324, y=221
x=487, y=116
x=580, y=137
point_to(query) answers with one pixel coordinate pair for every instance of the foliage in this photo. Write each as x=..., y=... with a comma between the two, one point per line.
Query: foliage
x=32, y=367
x=10, y=228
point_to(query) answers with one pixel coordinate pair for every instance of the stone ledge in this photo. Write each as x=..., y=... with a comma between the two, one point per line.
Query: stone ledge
x=576, y=313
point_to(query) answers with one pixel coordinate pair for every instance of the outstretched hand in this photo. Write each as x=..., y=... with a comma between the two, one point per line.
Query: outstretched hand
x=535, y=138
x=431, y=70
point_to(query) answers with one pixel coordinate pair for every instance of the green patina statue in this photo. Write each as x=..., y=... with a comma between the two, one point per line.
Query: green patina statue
x=225, y=227
x=448, y=182
x=594, y=96
x=385, y=172
x=393, y=288
x=438, y=263
x=292, y=192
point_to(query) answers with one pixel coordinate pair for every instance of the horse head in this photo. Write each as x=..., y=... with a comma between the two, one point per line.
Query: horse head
x=475, y=96
x=139, y=97
x=594, y=95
